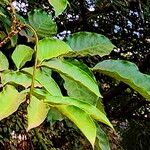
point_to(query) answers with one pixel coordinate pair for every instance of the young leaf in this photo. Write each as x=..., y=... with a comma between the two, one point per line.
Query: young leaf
x=36, y=112
x=59, y=6
x=81, y=119
x=3, y=62
x=50, y=48
x=87, y=43
x=21, y=55
x=128, y=73
x=42, y=23
x=88, y=108
x=73, y=72
x=10, y=99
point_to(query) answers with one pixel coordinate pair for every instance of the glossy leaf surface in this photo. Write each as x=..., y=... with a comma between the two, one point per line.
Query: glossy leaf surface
x=58, y=5
x=87, y=43
x=10, y=99
x=73, y=72
x=49, y=48
x=42, y=23
x=81, y=119
x=128, y=73
x=21, y=55
x=3, y=62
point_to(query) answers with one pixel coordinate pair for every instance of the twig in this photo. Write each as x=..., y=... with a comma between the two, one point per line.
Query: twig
x=35, y=64
x=15, y=28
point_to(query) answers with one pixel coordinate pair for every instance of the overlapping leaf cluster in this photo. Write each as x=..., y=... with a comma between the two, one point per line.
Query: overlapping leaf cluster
x=82, y=105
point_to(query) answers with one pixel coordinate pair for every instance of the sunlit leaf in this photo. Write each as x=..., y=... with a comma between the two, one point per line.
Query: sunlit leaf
x=49, y=48
x=42, y=23
x=128, y=73
x=36, y=112
x=75, y=73
x=88, y=108
x=10, y=99
x=21, y=55
x=15, y=77
x=88, y=43
x=59, y=6
x=3, y=62
x=81, y=119
x=45, y=79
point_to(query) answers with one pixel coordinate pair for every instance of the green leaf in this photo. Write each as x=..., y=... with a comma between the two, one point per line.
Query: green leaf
x=76, y=90
x=45, y=79
x=21, y=55
x=88, y=108
x=10, y=99
x=13, y=40
x=36, y=112
x=59, y=6
x=54, y=115
x=4, y=2
x=75, y=73
x=128, y=73
x=102, y=142
x=88, y=43
x=1, y=14
x=81, y=119
x=15, y=77
x=3, y=62
x=49, y=48
x=42, y=23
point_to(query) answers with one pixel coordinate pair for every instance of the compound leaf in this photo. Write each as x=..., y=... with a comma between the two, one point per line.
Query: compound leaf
x=72, y=71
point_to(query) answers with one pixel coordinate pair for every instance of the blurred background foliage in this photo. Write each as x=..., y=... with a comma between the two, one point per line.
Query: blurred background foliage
x=127, y=24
